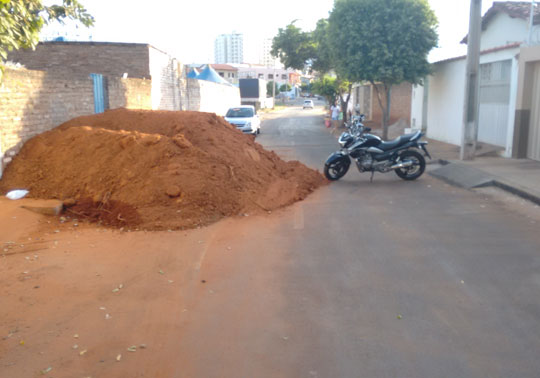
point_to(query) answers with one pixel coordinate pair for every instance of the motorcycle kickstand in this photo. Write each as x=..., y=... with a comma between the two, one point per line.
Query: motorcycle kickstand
x=372, y=173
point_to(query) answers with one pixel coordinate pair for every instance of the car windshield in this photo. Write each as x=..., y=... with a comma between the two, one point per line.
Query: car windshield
x=307, y=102
x=240, y=113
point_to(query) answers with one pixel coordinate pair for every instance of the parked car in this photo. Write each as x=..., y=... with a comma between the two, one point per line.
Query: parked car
x=308, y=104
x=245, y=119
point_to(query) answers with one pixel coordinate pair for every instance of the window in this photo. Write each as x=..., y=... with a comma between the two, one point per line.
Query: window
x=270, y=76
x=261, y=76
x=240, y=113
x=221, y=74
x=284, y=76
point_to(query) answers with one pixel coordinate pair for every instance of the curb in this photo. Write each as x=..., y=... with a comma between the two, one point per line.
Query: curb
x=490, y=180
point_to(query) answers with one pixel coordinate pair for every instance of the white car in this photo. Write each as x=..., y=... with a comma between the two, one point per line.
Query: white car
x=308, y=104
x=245, y=118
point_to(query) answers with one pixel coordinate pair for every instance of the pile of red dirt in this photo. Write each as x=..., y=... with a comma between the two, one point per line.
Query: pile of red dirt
x=157, y=169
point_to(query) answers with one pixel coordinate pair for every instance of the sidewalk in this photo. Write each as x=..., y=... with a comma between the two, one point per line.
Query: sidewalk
x=518, y=176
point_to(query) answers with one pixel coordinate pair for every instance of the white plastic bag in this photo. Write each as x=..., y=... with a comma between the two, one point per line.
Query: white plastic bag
x=17, y=194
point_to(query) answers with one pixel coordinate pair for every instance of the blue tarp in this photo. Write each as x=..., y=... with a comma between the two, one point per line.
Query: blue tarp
x=209, y=74
x=193, y=74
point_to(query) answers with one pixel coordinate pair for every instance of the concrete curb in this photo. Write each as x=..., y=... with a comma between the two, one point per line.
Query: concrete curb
x=468, y=177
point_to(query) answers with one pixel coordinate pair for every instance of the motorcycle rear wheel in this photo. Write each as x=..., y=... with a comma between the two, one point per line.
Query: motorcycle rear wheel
x=336, y=170
x=414, y=171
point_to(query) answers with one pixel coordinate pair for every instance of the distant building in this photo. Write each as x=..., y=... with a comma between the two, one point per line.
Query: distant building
x=259, y=71
x=229, y=48
x=265, y=58
x=227, y=72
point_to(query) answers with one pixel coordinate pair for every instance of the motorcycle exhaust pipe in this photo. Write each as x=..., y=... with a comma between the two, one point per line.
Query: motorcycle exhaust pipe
x=405, y=164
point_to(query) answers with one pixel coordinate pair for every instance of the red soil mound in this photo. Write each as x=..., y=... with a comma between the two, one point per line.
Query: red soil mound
x=157, y=169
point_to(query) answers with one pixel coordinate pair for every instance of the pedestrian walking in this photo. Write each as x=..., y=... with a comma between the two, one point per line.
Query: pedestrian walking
x=335, y=110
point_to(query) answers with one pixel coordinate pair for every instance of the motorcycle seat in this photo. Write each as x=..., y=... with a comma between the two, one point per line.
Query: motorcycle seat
x=390, y=145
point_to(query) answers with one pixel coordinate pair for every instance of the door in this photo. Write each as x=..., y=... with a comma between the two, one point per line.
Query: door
x=533, y=148
x=100, y=93
x=494, y=99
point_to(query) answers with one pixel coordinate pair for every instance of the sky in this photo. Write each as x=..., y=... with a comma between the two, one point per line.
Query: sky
x=187, y=29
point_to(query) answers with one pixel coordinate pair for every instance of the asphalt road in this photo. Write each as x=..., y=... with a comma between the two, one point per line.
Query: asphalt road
x=367, y=279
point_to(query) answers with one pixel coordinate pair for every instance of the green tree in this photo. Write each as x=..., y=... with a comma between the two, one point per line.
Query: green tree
x=269, y=91
x=285, y=87
x=293, y=46
x=21, y=21
x=321, y=59
x=327, y=87
x=384, y=42
x=333, y=88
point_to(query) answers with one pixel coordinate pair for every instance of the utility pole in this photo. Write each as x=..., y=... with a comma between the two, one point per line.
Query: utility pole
x=470, y=113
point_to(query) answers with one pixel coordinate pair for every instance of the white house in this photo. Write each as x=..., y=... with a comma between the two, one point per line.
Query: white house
x=507, y=67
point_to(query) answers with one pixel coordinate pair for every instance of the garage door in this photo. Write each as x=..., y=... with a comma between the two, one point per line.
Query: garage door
x=533, y=150
x=494, y=101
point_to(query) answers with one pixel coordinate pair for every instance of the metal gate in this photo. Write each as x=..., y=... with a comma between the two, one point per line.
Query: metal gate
x=100, y=93
x=533, y=148
x=494, y=99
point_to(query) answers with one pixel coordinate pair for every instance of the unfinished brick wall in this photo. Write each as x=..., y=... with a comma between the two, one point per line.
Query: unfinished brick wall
x=130, y=93
x=32, y=102
x=82, y=58
x=112, y=60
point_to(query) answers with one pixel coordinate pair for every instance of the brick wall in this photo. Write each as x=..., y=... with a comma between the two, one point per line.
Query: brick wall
x=165, y=72
x=82, y=58
x=130, y=93
x=400, y=104
x=32, y=102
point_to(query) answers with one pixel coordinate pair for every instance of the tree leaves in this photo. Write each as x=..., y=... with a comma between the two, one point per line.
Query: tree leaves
x=382, y=40
x=21, y=21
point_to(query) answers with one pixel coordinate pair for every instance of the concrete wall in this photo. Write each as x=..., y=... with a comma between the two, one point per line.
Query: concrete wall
x=417, y=106
x=206, y=96
x=528, y=58
x=446, y=96
x=445, y=102
x=32, y=102
x=72, y=58
x=503, y=30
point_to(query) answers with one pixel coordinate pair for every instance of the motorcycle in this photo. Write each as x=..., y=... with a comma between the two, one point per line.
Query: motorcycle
x=372, y=154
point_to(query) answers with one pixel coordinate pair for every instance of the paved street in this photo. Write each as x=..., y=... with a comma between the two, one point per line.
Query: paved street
x=382, y=279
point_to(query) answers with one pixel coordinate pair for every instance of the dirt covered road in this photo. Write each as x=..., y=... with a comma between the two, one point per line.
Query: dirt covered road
x=87, y=301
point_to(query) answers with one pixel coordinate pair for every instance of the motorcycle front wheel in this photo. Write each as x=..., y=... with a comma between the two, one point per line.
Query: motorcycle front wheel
x=416, y=169
x=336, y=170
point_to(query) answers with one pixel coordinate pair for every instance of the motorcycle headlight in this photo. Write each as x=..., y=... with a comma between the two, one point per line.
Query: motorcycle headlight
x=343, y=139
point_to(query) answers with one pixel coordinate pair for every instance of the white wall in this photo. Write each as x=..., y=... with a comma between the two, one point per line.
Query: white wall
x=207, y=96
x=417, y=106
x=445, y=102
x=165, y=80
x=503, y=30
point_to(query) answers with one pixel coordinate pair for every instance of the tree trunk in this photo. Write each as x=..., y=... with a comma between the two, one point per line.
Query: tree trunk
x=387, y=112
x=385, y=108
x=345, y=104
